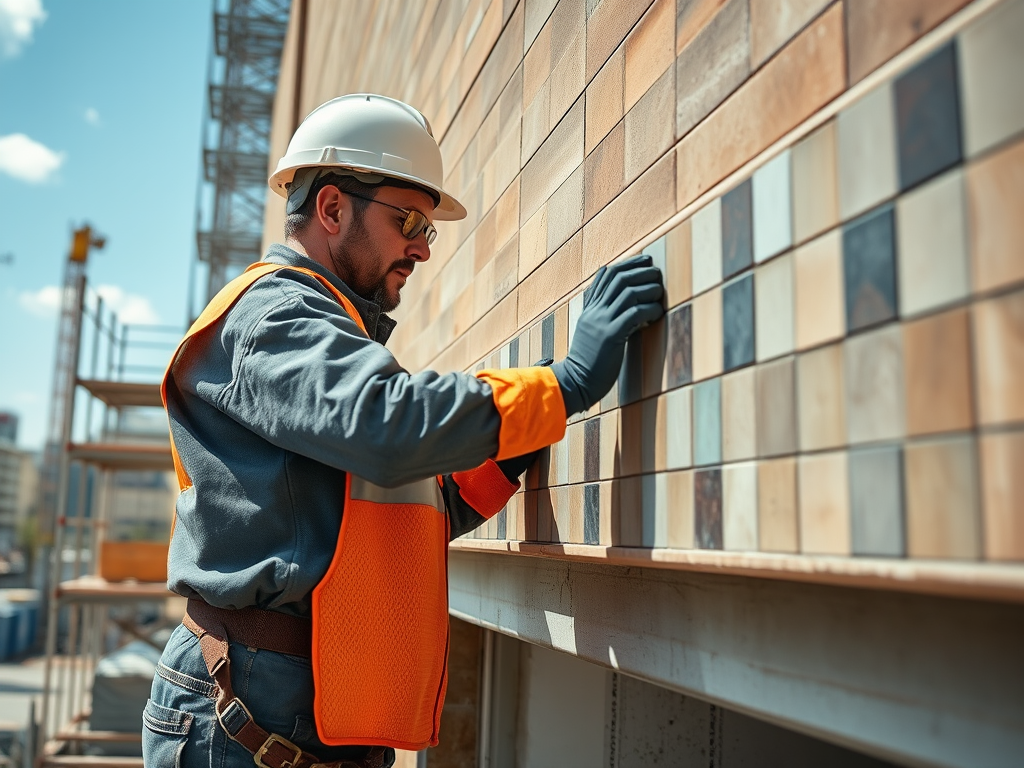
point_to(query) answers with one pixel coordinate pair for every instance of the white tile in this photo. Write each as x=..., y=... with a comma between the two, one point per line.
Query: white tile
x=773, y=308
x=739, y=506
x=648, y=505
x=679, y=428
x=931, y=233
x=662, y=503
x=991, y=63
x=707, y=246
x=656, y=251
x=867, y=152
x=773, y=213
x=575, y=310
x=504, y=359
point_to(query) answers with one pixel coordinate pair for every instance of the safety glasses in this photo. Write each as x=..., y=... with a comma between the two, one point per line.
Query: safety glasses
x=415, y=222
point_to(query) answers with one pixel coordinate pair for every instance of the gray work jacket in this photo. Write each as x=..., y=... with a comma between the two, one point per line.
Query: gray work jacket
x=285, y=396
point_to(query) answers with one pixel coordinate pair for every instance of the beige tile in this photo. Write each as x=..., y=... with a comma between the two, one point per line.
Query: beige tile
x=937, y=366
x=610, y=450
x=776, y=408
x=815, y=184
x=575, y=532
x=707, y=246
x=535, y=123
x=866, y=151
x=931, y=231
x=650, y=50
x=1002, y=493
x=878, y=29
x=648, y=124
x=739, y=416
x=561, y=525
x=873, y=367
x=534, y=26
x=707, y=335
x=773, y=307
x=565, y=211
x=739, y=507
x=553, y=163
x=550, y=281
x=649, y=443
x=806, y=75
x=941, y=483
x=561, y=331
x=995, y=196
x=678, y=249
x=776, y=506
x=536, y=65
x=824, y=504
x=631, y=439
x=604, y=100
x=604, y=172
x=820, y=398
x=568, y=78
x=678, y=430
x=818, y=291
x=680, y=514
x=546, y=514
x=607, y=27
x=691, y=17
x=533, y=243
x=999, y=358
x=608, y=492
x=774, y=22
x=630, y=512
x=653, y=342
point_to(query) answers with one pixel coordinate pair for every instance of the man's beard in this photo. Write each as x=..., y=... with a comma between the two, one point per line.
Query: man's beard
x=356, y=248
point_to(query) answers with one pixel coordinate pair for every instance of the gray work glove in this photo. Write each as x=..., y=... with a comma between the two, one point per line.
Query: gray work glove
x=623, y=298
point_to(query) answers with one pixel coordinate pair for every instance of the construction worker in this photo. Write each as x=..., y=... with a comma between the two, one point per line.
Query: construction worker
x=321, y=482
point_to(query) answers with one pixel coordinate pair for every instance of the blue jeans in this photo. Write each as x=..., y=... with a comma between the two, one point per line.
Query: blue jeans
x=180, y=728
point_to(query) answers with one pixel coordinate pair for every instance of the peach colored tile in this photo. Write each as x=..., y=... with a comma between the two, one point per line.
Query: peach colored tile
x=536, y=127
x=553, y=163
x=507, y=214
x=693, y=16
x=815, y=184
x=776, y=506
x=774, y=22
x=807, y=74
x=739, y=419
x=941, y=482
x=608, y=490
x=1002, y=493
x=575, y=532
x=678, y=255
x=680, y=509
x=551, y=280
x=637, y=211
x=568, y=78
x=574, y=437
x=999, y=358
x=937, y=373
x=607, y=27
x=878, y=29
x=873, y=375
x=536, y=65
x=650, y=50
x=818, y=291
x=707, y=335
x=824, y=495
x=995, y=197
x=604, y=100
x=533, y=243
x=561, y=331
x=535, y=23
x=649, y=129
x=604, y=172
x=820, y=398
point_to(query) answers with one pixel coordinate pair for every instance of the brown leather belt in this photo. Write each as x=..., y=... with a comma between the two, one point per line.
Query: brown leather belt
x=271, y=631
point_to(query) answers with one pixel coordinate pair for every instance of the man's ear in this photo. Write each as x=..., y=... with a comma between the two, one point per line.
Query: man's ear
x=331, y=208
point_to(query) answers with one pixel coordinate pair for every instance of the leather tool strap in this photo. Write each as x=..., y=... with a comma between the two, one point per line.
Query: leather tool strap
x=269, y=750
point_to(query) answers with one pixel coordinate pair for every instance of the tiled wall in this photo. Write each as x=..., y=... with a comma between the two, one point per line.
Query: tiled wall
x=841, y=368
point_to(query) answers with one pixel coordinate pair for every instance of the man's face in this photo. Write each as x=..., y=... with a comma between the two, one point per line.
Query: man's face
x=372, y=255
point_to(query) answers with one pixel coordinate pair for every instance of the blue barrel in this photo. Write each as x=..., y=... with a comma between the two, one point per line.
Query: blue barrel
x=8, y=630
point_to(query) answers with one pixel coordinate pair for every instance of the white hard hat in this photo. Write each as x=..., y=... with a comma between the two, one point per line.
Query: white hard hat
x=373, y=136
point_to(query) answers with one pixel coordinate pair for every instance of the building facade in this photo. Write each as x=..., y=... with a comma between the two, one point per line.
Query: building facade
x=797, y=523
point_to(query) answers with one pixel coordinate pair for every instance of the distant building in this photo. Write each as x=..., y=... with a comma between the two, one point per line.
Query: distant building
x=18, y=488
x=8, y=427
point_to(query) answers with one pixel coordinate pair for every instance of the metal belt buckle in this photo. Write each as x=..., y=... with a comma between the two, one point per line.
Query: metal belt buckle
x=258, y=757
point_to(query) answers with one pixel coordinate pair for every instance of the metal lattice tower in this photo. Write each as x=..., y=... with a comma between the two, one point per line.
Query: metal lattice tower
x=248, y=37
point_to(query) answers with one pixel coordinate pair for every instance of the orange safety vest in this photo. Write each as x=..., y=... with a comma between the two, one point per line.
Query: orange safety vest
x=380, y=613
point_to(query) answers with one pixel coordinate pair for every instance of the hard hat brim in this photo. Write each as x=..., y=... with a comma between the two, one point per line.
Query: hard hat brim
x=448, y=209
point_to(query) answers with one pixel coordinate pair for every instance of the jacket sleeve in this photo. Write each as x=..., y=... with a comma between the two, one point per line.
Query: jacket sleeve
x=304, y=377
x=475, y=496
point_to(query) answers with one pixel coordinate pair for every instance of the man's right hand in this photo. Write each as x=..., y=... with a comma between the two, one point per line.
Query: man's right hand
x=623, y=298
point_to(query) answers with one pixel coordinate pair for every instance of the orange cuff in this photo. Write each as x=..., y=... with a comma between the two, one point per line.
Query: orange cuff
x=531, y=407
x=485, y=489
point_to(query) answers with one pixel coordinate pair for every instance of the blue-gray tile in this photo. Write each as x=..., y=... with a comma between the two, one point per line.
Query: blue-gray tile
x=876, y=502
x=501, y=523
x=547, y=337
x=632, y=373
x=928, y=118
x=680, y=346
x=869, y=269
x=513, y=353
x=707, y=517
x=592, y=514
x=738, y=323
x=592, y=450
x=707, y=422
x=737, y=230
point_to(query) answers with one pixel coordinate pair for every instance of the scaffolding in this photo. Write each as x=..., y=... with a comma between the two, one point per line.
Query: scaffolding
x=248, y=38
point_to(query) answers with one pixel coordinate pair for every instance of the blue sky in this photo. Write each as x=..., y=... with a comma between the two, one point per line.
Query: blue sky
x=101, y=107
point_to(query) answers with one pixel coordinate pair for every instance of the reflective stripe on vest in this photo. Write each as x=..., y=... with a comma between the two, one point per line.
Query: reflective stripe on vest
x=380, y=613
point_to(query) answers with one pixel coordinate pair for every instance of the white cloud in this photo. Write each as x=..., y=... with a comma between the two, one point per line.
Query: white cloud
x=130, y=308
x=42, y=303
x=28, y=160
x=92, y=117
x=18, y=18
